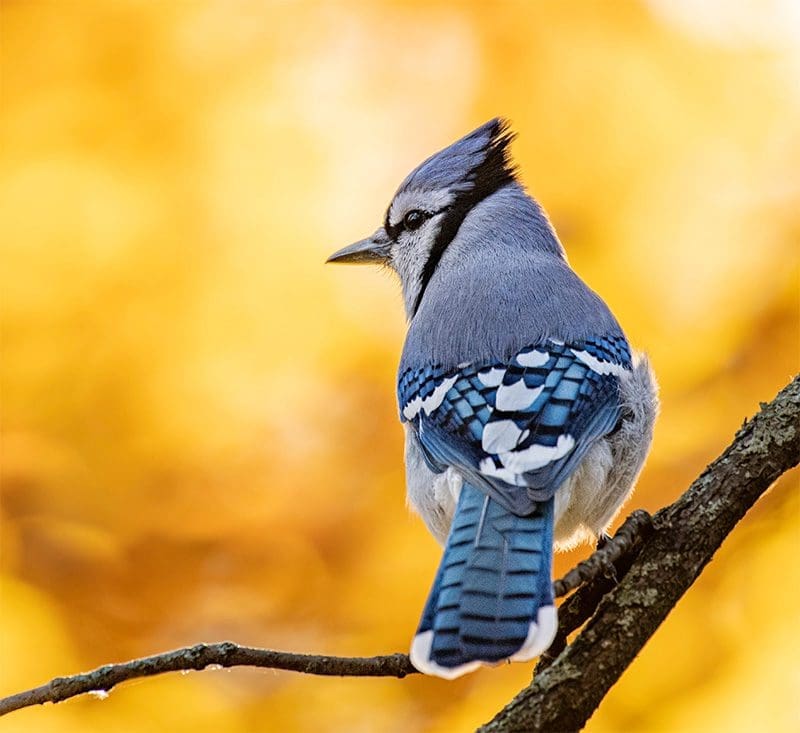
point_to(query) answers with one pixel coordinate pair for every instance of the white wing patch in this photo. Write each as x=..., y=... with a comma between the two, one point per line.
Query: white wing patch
x=431, y=402
x=517, y=396
x=492, y=377
x=601, y=367
x=533, y=358
x=515, y=463
x=500, y=436
x=537, y=455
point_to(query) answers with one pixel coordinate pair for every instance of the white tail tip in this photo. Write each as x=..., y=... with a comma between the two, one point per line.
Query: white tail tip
x=540, y=635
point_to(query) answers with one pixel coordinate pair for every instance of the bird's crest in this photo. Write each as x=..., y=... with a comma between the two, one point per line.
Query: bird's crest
x=476, y=165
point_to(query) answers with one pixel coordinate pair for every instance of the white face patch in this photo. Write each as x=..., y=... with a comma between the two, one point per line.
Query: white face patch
x=517, y=396
x=431, y=402
x=533, y=358
x=601, y=367
x=408, y=257
x=492, y=377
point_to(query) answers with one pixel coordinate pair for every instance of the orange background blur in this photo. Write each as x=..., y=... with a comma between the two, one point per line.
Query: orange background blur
x=199, y=436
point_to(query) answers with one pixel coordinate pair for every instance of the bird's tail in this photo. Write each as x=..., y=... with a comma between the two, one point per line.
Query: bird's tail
x=492, y=598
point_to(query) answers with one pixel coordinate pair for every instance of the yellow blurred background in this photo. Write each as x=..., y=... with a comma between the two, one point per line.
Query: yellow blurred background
x=199, y=436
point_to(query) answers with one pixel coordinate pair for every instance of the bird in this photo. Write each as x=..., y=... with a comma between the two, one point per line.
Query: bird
x=527, y=415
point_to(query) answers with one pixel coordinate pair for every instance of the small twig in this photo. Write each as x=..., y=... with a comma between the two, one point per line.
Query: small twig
x=635, y=528
x=201, y=656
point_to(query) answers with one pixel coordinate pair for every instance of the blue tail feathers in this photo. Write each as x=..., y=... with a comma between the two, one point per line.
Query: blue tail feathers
x=492, y=598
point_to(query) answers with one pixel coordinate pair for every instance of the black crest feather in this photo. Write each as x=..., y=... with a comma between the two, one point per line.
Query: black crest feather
x=496, y=169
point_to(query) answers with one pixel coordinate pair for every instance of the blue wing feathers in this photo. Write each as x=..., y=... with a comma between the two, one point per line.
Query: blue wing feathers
x=575, y=399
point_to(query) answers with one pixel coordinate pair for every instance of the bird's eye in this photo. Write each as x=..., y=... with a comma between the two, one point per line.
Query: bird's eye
x=413, y=219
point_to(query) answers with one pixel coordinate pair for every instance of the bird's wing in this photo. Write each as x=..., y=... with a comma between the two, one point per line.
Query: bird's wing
x=518, y=428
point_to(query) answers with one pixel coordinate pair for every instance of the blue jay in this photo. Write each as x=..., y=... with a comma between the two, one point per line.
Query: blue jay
x=527, y=417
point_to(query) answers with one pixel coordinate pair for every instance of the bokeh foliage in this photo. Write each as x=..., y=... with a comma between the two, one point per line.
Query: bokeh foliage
x=199, y=435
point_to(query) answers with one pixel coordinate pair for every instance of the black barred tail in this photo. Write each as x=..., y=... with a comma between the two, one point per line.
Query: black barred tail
x=492, y=598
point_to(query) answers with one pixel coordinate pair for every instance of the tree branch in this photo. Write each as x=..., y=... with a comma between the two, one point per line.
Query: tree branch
x=656, y=560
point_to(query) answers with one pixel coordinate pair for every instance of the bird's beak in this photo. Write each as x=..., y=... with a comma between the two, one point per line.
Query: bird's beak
x=374, y=249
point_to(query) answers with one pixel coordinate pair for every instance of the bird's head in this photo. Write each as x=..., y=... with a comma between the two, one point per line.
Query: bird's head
x=430, y=205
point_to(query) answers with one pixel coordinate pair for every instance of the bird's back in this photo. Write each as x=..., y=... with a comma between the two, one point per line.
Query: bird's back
x=502, y=284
